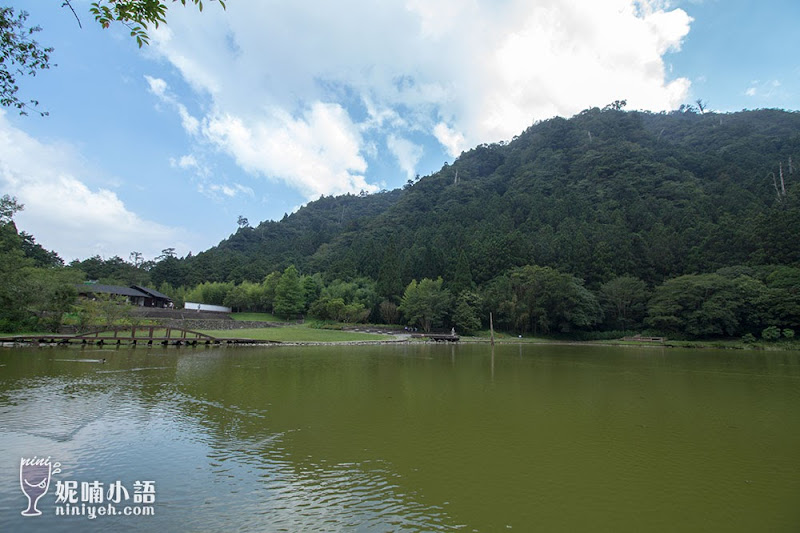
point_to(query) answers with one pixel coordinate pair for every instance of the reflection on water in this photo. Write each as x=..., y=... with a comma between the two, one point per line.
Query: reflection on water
x=412, y=438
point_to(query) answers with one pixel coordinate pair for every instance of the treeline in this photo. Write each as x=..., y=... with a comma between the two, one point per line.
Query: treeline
x=35, y=288
x=732, y=302
x=289, y=295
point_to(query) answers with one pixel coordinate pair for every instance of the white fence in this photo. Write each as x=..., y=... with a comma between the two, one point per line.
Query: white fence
x=192, y=306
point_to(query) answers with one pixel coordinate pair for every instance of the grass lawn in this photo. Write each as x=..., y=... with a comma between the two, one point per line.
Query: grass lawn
x=256, y=317
x=485, y=336
x=24, y=334
x=298, y=333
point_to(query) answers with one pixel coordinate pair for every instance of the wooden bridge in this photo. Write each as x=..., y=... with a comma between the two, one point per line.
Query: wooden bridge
x=133, y=336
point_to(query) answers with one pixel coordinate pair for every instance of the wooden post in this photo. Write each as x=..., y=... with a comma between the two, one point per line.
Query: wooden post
x=493, y=362
x=491, y=328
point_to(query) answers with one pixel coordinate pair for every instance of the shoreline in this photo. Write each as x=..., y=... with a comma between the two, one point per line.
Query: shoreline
x=406, y=340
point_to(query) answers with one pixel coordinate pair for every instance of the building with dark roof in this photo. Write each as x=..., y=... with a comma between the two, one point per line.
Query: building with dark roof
x=153, y=298
x=135, y=294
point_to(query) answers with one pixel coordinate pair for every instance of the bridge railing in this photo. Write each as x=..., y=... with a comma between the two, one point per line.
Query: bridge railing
x=145, y=333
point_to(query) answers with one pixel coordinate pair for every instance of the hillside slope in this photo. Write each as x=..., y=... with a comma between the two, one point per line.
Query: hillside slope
x=602, y=194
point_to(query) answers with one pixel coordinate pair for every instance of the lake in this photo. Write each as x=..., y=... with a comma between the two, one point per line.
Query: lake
x=403, y=438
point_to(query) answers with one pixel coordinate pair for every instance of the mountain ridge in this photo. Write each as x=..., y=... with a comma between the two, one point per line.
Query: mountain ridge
x=604, y=193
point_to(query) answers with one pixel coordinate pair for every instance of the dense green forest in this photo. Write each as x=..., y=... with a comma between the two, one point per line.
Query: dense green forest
x=680, y=223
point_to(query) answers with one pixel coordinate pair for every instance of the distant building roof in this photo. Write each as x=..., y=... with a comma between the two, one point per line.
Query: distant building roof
x=135, y=291
x=109, y=289
x=152, y=292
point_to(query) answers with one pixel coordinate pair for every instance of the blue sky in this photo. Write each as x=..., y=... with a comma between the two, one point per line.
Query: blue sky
x=262, y=107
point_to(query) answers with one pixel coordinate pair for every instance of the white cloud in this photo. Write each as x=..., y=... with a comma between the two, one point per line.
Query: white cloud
x=185, y=162
x=317, y=153
x=300, y=91
x=216, y=191
x=452, y=140
x=407, y=153
x=160, y=88
x=191, y=163
x=764, y=89
x=66, y=215
x=157, y=86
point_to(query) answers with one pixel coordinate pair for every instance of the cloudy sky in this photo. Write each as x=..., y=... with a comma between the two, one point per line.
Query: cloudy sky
x=259, y=108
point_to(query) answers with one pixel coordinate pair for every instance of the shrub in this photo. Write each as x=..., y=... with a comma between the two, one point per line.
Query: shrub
x=788, y=333
x=771, y=333
x=748, y=338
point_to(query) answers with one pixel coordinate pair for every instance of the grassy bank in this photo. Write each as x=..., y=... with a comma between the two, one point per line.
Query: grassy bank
x=723, y=344
x=255, y=317
x=485, y=336
x=296, y=333
x=735, y=344
x=318, y=332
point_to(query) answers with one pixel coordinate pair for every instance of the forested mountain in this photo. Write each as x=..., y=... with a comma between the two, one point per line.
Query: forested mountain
x=603, y=194
x=252, y=253
x=682, y=224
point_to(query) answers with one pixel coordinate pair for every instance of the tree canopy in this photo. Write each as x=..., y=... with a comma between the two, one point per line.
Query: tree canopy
x=137, y=15
x=20, y=55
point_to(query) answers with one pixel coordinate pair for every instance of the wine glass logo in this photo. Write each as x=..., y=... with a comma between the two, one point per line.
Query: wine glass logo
x=34, y=479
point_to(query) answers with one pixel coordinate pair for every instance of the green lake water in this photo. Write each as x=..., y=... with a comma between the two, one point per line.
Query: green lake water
x=409, y=437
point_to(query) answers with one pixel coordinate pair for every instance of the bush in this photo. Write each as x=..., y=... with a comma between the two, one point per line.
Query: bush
x=788, y=333
x=771, y=333
x=748, y=338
